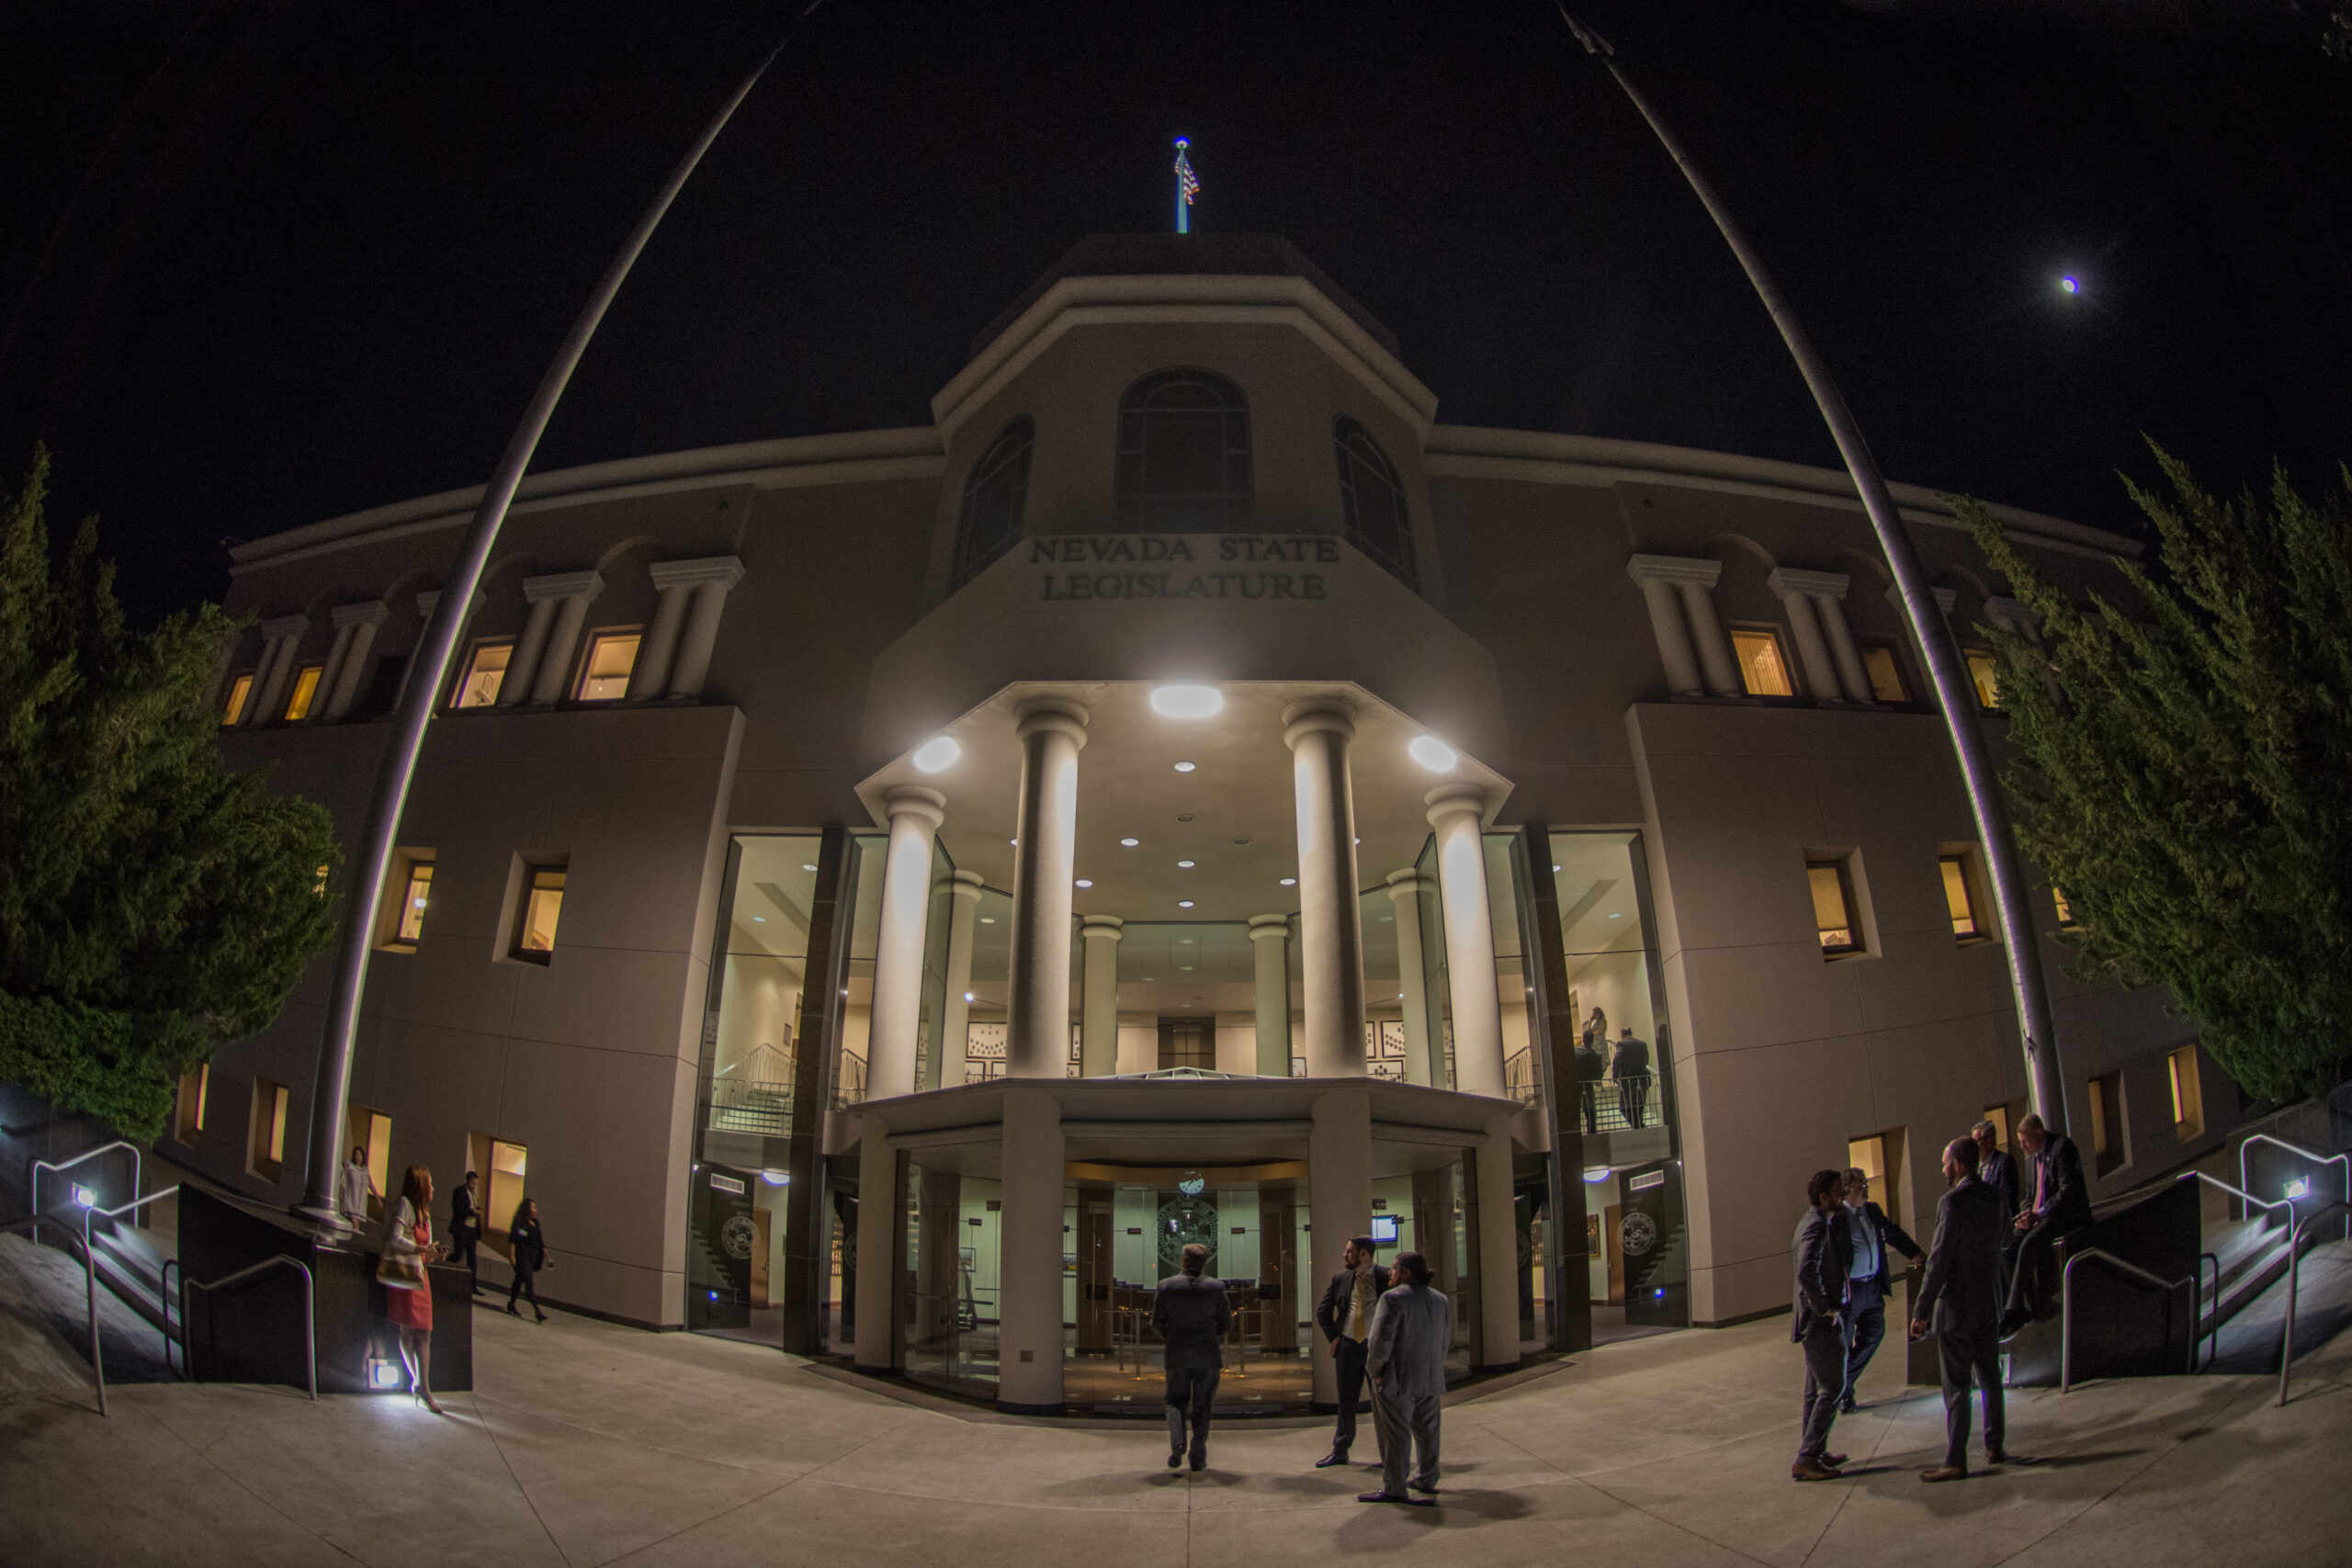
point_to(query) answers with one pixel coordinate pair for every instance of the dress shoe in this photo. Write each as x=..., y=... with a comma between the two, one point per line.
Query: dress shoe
x=1848, y=1407
x=1395, y=1497
x=1806, y=1470
x=1833, y=1461
x=1175, y=1459
x=1945, y=1473
x=1200, y=1462
x=2003, y=1456
x=1428, y=1487
x=1336, y=1456
x=543, y=1317
x=510, y=1312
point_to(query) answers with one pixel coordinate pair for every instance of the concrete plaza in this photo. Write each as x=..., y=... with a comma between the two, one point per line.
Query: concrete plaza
x=588, y=1444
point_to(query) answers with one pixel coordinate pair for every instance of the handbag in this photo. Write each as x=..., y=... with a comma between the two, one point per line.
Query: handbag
x=401, y=1271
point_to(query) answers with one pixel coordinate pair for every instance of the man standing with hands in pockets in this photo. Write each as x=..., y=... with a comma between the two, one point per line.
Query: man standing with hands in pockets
x=1344, y=1315
x=1961, y=1297
x=1405, y=1358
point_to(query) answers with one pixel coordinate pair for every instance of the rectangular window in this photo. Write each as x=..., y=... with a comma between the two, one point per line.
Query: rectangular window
x=1833, y=907
x=2187, y=1095
x=502, y=1193
x=1879, y=1159
x=1761, y=668
x=1886, y=672
x=542, y=904
x=266, y=1154
x=1986, y=671
x=371, y=1132
x=1960, y=898
x=2065, y=910
x=239, y=690
x=414, y=877
x=2108, y=1145
x=196, y=1086
x=485, y=672
x=611, y=657
x=306, y=689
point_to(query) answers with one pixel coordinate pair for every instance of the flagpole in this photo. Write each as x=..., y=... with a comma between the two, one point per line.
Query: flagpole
x=1183, y=197
x=1955, y=693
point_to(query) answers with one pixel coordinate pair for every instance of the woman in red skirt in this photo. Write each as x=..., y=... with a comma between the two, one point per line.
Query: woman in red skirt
x=410, y=1236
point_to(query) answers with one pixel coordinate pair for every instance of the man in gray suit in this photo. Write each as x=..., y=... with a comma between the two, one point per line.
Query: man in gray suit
x=1191, y=1314
x=1961, y=1296
x=1821, y=1249
x=1405, y=1356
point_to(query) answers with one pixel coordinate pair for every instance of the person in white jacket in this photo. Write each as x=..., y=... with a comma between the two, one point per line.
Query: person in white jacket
x=1411, y=1330
x=355, y=1188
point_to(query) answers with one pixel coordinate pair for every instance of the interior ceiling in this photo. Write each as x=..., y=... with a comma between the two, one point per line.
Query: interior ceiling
x=1234, y=816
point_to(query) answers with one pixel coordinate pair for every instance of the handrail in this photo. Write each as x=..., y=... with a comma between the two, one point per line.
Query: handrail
x=310, y=1304
x=164, y=1289
x=2214, y=1348
x=2067, y=1308
x=41, y=1165
x=2312, y=1154
x=90, y=1279
x=2294, y=1275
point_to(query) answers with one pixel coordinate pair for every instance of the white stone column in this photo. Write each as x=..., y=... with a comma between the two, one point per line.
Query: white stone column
x=281, y=637
x=1707, y=630
x=1797, y=591
x=1498, y=1348
x=523, y=668
x=2010, y=615
x=956, y=1023
x=658, y=649
x=572, y=592
x=896, y=1027
x=1098, y=1047
x=1665, y=623
x=1457, y=812
x=1270, y=939
x=1339, y=1186
x=331, y=674
x=1029, y=1302
x=1422, y=1064
x=1330, y=932
x=1848, y=658
x=1045, y=859
x=363, y=619
x=880, y=1244
x=710, y=578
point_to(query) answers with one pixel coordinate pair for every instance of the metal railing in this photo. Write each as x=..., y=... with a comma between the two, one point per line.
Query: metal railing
x=763, y=1107
x=90, y=1281
x=2312, y=1154
x=849, y=1087
x=1616, y=1105
x=2193, y=1283
x=61, y=1166
x=2294, y=1278
x=309, y=1309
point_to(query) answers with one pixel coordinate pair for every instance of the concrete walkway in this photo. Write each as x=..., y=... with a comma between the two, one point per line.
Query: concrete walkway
x=588, y=1444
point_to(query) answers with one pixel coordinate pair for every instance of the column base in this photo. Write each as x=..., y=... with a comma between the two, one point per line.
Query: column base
x=1490, y=1367
x=1009, y=1408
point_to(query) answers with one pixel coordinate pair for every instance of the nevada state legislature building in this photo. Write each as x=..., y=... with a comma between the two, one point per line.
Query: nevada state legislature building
x=883, y=893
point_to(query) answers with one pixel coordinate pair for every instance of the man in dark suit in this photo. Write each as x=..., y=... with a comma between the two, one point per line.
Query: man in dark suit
x=2060, y=1206
x=1344, y=1315
x=465, y=1225
x=1870, y=1238
x=1961, y=1297
x=1631, y=1068
x=1996, y=1168
x=1191, y=1314
x=1820, y=1247
x=1592, y=1065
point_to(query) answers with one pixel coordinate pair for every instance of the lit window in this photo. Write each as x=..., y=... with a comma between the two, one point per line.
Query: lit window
x=415, y=894
x=239, y=690
x=1885, y=672
x=1761, y=668
x=1960, y=900
x=267, y=1152
x=485, y=672
x=306, y=687
x=2187, y=1095
x=611, y=656
x=195, y=1087
x=542, y=905
x=1985, y=670
x=1372, y=500
x=1832, y=904
x=1183, y=458
x=993, y=499
x=319, y=882
x=506, y=1192
x=2108, y=1145
x=2065, y=910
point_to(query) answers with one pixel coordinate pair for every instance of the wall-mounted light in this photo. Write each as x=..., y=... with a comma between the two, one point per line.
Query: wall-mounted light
x=85, y=1197
x=1290, y=882
x=1185, y=767
x=1183, y=903
x=1187, y=701
x=1433, y=753
x=1129, y=843
x=1082, y=881
x=2300, y=1188
x=939, y=751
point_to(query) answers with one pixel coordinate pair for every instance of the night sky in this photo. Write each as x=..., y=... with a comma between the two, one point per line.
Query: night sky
x=265, y=264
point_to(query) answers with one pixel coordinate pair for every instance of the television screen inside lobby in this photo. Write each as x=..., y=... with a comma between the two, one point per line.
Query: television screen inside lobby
x=883, y=893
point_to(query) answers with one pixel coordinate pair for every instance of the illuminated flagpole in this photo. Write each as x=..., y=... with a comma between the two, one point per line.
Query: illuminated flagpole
x=1187, y=187
x=1955, y=693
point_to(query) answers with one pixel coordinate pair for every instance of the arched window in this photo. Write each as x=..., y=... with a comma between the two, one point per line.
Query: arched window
x=1184, y=453
x=992, y=500
x=1372, y=500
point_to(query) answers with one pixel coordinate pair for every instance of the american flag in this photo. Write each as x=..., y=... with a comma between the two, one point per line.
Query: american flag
x=1185, y=179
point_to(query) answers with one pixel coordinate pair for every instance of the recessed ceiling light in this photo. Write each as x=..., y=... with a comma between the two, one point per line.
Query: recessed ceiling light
x=1556, y=868
x=1184, y=942
x=1014, y=842
x=1186, y=702
x=1183, y=817
x=1241, y=840
x=969, y=997
x=1616, y=915
x=1185, y=967
x=1387, y=919
x=759, y=919
x=939, y=751
x=806, y=866
x=1147, y=979
x=1290, y=882
x=1184, y=865
x=1183, y=903
x=988, y=920
x=1433, y=753
x=1083, y=883
x=1131, y=844
x=1185, y=767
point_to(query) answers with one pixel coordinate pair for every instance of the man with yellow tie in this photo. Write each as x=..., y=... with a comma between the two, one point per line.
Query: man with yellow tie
x=1345, y=1318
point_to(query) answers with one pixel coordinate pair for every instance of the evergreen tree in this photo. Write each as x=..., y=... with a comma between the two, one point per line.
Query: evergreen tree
x=151, y=904
x=2184, y=774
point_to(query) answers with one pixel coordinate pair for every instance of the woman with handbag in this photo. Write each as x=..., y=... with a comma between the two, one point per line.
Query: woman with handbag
x=408, y=1294
x=527, y=1246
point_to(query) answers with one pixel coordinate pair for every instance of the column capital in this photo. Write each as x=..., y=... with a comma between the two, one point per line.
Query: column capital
x=1405, y=884
x=926, y=806
x=967, y=885
x=1785, y=581
x=1040, y=714
x=1107, y=926
x=1453, y=800
x=563, y=585
x=2011, y=617
x=1268, y=925
x=725, y=571
x=1673, y=568
x=369, y=613
x=1314, y=716
x=285, y=626
x=1947, y=599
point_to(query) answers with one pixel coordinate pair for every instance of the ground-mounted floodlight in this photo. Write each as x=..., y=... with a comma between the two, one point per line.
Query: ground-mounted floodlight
x=1433, y=754
x=936, y=754
x=1187, y=701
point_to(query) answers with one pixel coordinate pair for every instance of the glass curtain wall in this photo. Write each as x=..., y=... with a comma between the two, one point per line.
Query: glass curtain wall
x=1426, y=1211
x=984, y=1013
x=949, y=1314
x=1437, y=988
x=857, y=1007
x=1637, y=1244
